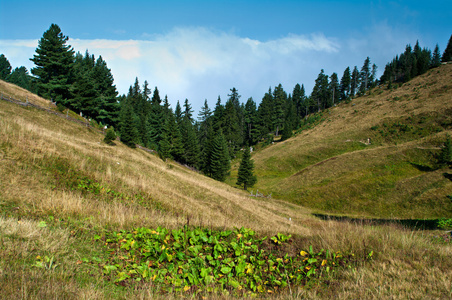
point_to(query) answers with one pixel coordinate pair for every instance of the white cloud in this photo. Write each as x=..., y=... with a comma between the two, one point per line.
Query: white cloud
x=198, y=63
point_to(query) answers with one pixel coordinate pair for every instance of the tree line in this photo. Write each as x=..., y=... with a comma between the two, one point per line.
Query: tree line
x=208, y=141
x=413, y=62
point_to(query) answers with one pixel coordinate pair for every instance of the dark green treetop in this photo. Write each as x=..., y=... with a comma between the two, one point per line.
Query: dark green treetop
x=54, y=61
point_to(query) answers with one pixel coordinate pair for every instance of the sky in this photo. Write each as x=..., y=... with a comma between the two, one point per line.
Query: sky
x=199, y=50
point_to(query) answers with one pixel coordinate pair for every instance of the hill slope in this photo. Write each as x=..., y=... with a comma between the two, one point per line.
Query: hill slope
x=61, y=189
x=61, y=167
x=333, y=167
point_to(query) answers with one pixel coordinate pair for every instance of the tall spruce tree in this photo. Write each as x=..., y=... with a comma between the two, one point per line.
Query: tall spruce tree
x=250, y=117
x=334, y=89
x=54, y=60
x=364, y=76
x=219, y=158
x=447, y=55
x=354, y=82
x=345, y=85
x=436, y=58
x=245, y=175
x=128, y=130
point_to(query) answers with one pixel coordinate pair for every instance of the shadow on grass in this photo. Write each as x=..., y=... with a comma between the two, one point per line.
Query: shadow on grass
x=419, y=224
x=448, y=176
x=422, y=168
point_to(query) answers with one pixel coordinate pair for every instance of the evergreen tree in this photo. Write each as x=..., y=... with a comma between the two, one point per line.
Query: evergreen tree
x=155, y=121
x=231, y=123
x=83, y=91
x=320, y=92
x=188, y=111
x=107, y=94
x=298, y=96
x=264, y=114
x=250, y=117
x=334, y=89
x=447, y=55
x=128, y=131
x=245, y=172
x=218, y=115
x=345, y=85
x=354, y=82
x=279, y=101
x=54, y=61
x=178, y=113
x=19, y=76
x=436, y=59
x=219, y=158
x=373, y=76
x=205, y=127
x=364, y=76
x=189, y=138
x=170, y=145
x=5, y=67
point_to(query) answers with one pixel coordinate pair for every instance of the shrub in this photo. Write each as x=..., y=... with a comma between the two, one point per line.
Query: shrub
x=110, y=136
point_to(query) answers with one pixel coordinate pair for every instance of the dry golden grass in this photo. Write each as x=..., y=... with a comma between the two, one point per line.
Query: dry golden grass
x=405, y=264
x=13, y=91
x=183, y=193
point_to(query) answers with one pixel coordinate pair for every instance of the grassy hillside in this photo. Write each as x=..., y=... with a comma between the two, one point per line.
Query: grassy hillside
x=62, y=191
x=333, y=168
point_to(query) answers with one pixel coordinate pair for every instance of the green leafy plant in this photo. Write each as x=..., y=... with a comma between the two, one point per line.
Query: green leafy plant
x=200, y=259
x=445, y=223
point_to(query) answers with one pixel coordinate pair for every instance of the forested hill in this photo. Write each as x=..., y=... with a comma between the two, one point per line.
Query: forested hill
x=207, y=141
x=376, y=155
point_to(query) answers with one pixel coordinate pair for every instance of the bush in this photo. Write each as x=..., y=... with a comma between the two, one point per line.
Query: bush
x=110, y=136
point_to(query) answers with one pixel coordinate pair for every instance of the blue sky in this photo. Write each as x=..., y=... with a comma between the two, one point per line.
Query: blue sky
x=201, y=49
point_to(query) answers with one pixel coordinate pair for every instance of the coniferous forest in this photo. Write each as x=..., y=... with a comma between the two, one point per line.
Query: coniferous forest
x=206, y=141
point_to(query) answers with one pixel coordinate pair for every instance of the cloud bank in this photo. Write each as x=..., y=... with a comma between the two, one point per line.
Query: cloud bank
x=200, y=63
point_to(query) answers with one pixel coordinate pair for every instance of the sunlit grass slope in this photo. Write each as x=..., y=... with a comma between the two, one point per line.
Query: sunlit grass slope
x=333, y=168
x=53, y=166
x=61, y=188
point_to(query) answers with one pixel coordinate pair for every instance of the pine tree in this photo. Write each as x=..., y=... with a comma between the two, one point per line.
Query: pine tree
x=364, y=76
x=5, y=67
x=250, y=116
x=354, y=82
x=107, y=93
x=178, y=113
x=190, y=142
x=334, y=89
x=320, y=92
x=345, y=85
x=128, y=130
x=447, y=55
x=219, y=158
x=298, y=98
x=54, y=61
x=436, y=58
x=232, y=122
x=265, y=113
x=245, y=172
x=20, y=77
x=218, y=115
x=279, y=101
